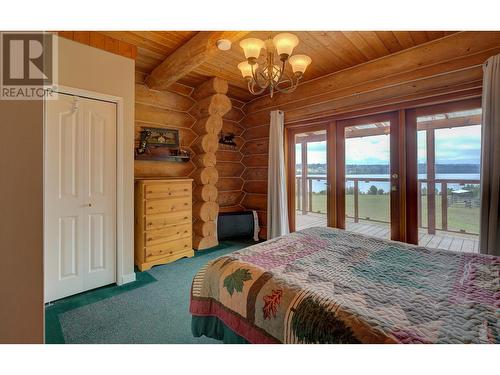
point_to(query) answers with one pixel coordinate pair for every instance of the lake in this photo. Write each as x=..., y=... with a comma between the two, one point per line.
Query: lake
x=320, y=184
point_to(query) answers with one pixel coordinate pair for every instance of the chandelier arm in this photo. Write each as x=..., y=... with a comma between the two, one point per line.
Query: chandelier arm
x=251, y=88
x=293, y=84
x=282, y=72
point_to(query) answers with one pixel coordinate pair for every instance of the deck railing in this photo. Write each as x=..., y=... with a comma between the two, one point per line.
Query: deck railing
x=426, y=188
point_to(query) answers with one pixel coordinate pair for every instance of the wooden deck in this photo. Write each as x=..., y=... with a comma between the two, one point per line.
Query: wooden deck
x=440, y=240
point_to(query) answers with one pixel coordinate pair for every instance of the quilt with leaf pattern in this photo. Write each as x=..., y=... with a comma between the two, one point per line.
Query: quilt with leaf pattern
x=324, y=285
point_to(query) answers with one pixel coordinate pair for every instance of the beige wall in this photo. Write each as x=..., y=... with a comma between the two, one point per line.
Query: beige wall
x=21, y=222
x=88, y=68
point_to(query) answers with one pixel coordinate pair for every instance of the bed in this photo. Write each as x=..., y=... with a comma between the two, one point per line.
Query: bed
x=324, y=285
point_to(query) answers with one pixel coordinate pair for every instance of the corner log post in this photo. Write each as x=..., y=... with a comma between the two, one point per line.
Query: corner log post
x=212, y=104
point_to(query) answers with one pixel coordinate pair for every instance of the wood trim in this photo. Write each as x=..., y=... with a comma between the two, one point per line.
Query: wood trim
x=402, y=174
x=395, y=169
x=331, y=198
x=461, y=105
x=411, y=177
x=340, y=174
x=99, y=40
x=471, y=93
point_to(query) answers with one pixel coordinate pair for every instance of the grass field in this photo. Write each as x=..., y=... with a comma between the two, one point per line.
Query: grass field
x=376, y=207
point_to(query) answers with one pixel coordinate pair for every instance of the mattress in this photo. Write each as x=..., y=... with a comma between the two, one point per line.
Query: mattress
x=324, y=285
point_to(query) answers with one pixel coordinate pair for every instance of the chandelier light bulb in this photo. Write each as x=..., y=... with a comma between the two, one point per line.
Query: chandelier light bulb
x=285, y=43
x=251, y=48
x=299, y=63
x=246, y=69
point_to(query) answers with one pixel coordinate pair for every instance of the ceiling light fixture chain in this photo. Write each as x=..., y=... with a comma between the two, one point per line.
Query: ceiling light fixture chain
x=271, y=76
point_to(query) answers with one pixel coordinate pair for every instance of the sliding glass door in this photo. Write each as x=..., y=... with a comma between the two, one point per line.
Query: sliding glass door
x=309, y=178
x=368, y=170
x=446, y=175
x=412, y=175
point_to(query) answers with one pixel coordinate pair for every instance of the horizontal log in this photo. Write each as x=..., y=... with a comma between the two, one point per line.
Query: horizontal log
x=260, y=146
x=445, y=49
x=208, y=159
x=164, y=99
x=237, y=103
x=210, y=87
x=237, y=208
x=205, y=144
x=458, y=92
x=217, y=104
x=255, y=187
x=230, y=198
x=362, y=99
x=252, y=174
x=208, y=125
x=202, y=243
x=162, y=116
x=163, y=169
x=260, y=160
x=226, y=155
x=205, y=193
x=229, y=183
x=414, y=94
x=233, y=127
x=230, y=169
x=235, y=114
x=205, y=229
x=205, y=211
x=255, y=202
x=256, y=132
x=205, y=176
x=179, y=88
x=239, y=142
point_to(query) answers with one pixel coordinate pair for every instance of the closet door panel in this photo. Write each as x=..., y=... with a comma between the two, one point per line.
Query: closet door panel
x=63, y=254
x=100, y=192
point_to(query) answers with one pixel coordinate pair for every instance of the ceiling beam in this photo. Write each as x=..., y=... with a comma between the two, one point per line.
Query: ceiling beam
x=188, y=57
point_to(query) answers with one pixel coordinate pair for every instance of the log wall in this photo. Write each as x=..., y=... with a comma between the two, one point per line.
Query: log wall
x=217, y=174
x=164, y=109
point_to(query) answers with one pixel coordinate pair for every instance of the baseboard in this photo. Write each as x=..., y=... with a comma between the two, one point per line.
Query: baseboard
x=125, y=279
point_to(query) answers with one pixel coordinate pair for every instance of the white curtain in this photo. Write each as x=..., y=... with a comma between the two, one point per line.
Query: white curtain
x=489, y=240
x=277, y=207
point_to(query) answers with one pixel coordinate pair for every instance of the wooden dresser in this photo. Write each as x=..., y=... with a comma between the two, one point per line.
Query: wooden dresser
x=163, y=221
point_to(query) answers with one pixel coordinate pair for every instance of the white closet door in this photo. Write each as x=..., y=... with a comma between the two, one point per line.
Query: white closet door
x=80, y=195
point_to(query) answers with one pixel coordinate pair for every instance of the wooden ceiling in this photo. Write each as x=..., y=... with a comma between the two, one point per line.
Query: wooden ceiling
x=330, y=51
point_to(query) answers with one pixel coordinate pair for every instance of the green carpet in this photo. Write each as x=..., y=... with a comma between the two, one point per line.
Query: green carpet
x=153, y=309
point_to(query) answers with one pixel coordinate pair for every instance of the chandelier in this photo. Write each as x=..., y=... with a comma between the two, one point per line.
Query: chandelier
x=268, y=74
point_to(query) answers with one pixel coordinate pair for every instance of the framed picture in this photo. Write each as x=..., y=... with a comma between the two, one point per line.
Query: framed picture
x=163, y=137
x=159, y=144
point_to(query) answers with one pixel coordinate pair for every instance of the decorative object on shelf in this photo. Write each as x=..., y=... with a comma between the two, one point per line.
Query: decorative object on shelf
x=269, y=75
x=160, y=144
x=226, y=140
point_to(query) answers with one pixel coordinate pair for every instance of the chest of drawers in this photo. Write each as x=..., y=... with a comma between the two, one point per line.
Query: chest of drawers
x=163, y=221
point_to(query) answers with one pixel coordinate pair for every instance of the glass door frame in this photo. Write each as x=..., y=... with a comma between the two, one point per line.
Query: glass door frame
x=290, y=133
x=397, y=188
x=412, y=157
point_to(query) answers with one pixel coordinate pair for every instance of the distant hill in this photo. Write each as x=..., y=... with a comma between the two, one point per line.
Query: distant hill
x=384, y=169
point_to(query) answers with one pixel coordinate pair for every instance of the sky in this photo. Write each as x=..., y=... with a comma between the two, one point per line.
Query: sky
x=453, y=146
